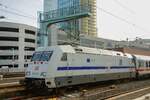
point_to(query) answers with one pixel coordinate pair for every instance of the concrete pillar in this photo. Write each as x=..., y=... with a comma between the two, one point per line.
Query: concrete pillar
x=21, y=47
x=52, y=35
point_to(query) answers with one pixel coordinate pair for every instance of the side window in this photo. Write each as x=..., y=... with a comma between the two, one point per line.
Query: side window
x=139, y=62
x=146, y=63
x=64, y=57
x=88, y=60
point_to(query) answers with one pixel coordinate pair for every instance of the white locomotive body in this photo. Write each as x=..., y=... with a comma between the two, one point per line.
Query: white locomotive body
x=59, y=66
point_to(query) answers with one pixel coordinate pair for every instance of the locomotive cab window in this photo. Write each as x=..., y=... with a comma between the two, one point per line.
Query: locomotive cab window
x=42, y=56
x=64, y=57
x=36, y=56
x=46, y=55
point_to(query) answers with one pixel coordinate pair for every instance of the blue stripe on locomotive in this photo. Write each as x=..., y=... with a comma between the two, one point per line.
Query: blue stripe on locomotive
x=91, y=67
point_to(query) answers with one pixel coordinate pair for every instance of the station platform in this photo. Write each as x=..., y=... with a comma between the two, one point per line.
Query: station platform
x=12, y=74
x=10, y=80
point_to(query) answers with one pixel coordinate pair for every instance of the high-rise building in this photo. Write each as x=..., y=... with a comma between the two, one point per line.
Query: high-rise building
x=86, y=25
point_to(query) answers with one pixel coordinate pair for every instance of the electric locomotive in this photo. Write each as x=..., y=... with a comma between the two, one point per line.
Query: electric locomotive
x=65, y=65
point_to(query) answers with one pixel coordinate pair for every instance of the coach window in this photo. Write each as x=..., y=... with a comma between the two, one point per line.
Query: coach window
x=139, y=63
x=146, y=63
x=64, y=57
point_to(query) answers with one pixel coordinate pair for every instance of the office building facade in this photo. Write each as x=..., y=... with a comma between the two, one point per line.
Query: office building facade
x=86, y=25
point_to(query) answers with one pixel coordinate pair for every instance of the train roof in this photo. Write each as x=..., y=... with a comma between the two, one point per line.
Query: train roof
x=64, y=48
x=82, y=49
x=142, y=57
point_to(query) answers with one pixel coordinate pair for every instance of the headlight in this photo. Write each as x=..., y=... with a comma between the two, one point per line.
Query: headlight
x=28, y=73
x=43, y=74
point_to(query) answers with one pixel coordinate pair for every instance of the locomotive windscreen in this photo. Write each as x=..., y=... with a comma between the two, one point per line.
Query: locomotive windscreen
x=46, y=55
x=42, y=56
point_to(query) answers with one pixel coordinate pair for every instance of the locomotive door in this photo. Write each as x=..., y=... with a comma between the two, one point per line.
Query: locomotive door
x=134, y=61
x=70, y=68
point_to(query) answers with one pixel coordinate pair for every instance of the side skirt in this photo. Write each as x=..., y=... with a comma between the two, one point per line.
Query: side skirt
x=76, y=80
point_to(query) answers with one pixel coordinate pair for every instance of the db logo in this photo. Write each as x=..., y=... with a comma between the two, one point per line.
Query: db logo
x=36, y=68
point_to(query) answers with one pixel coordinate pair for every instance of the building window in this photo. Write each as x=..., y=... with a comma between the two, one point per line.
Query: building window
x=8, y=47
x=27, y=56
x=7, y=29
x=25, y=65
x=9, y=39
x=8, y=57
x=10, y=66
x=29, y=48
x=29, y=40
x=67, y=3
x=29, y=32
x=69, y=26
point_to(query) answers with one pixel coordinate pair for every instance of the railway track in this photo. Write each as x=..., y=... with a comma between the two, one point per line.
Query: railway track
x=130, y=95
x=107, y=92
x=16, y=91
x=97, y=92
x=10, y=89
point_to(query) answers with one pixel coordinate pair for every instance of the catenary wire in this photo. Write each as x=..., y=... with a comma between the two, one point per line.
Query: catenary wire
x=123, y=6
x=17, y=14
x=124, y=20
x=15, y=10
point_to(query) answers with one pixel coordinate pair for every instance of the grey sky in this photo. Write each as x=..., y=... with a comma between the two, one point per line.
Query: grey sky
x=133, y=11
x=23, y=7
